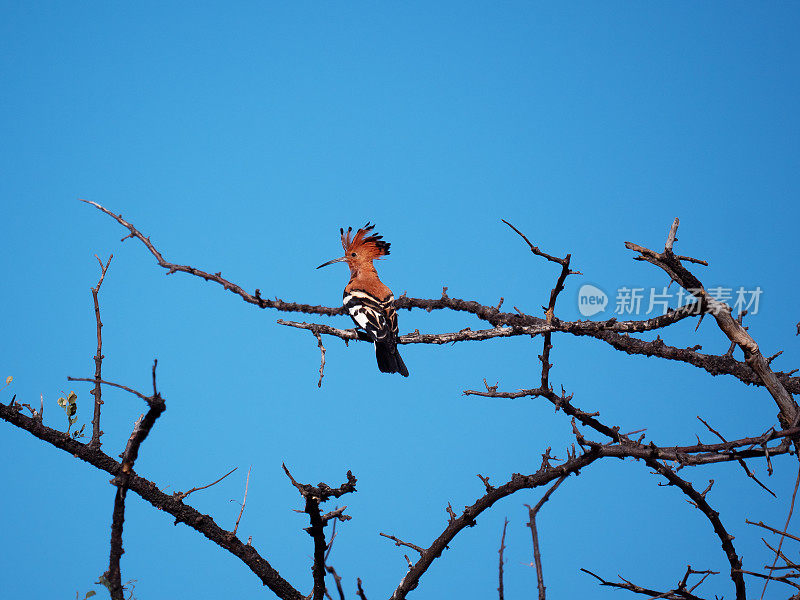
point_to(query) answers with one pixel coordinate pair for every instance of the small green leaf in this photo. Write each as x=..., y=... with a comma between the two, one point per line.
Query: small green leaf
x=89, y=594
x=62, y=403
x=72, y=397
x=73, y=408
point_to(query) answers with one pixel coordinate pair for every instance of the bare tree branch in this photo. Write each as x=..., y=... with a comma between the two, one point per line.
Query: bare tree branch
x=470, y=513
x=322, y=358
x=671, y=264
x=500, y=587
x=741, y=462
x=314, y=496
x=624, y=584
x=140, y=431
x=755, y=369
x=399, y=542
x=182, y=495
x=610, y=331
x=785, y=527
x=773, y=530
x=244, y=500
x=98, y=358
x=700, y=502
x=118, y=385
x=149, y=492
x=537, y=555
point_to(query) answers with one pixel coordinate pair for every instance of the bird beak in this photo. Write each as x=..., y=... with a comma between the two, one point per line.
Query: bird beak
x=330, y=262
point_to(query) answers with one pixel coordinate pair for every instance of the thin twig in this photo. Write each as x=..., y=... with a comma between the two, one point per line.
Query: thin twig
x=182, y=495
x=98, y=358
x=701, y=503
x=741, y=462
x=337, y=579
x=399, y=542
x=500, y=592
x=322, y=358
x=624, y=584
x=773, y=530
x=785, y=528
x=537, y=556
x=671, y=264
x=118, y=385
x=244, y=500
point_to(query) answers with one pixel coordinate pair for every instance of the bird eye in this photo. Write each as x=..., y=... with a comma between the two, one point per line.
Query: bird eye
x=353, y=254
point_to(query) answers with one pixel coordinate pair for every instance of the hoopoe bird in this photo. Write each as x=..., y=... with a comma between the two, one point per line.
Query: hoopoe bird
x=367, y=300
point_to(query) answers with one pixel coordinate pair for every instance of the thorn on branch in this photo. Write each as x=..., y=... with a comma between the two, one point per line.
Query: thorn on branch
x=485, y=481
x=546, y=458
x=774, y=356
x=451, y=513
x=337, y=514
x=708, y=489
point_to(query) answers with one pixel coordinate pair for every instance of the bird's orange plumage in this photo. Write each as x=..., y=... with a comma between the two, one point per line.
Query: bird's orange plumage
x=367, y=300
x=359, y=254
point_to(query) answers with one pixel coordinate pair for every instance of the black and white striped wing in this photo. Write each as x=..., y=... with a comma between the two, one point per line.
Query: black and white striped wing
x=376, y=317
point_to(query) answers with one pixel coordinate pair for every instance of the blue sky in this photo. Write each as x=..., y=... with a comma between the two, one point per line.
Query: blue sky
x=240, y=138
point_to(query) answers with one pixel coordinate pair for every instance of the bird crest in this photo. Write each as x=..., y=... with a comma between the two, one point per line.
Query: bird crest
x=365, y=243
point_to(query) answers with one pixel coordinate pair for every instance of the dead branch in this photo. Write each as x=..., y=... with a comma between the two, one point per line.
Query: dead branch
x=785, y=527
x=148, y=491
x=734, y=330
x=322, y=358
x=399, y=542
x=500, y=590
x=610, y=331
x=140, y=431
x=624, y=584
x=537, y=555
x=314, y=496
x=244, y=500
x=741, y=462
x=98, y=358
x=467, y=517
x=701, y=503
x=182, y=495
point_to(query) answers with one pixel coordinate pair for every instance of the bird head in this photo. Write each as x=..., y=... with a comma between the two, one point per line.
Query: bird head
x=362, y=249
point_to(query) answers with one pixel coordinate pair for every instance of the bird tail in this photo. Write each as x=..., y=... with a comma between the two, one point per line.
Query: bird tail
x=389, y=360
